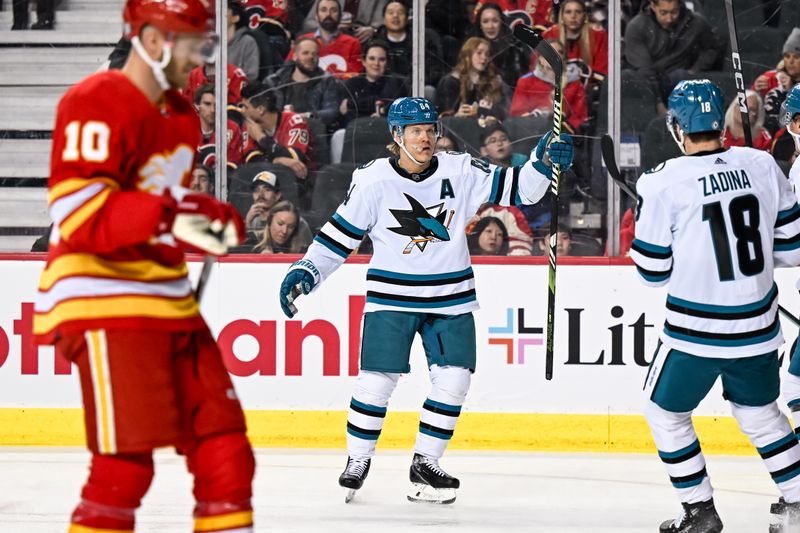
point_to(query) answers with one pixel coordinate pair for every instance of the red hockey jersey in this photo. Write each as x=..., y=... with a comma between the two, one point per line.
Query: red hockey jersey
x=108, y=265
x=237, y=142
x=255, y=10
x=291, y=132
x=598, y=48
x=341, y=56
x=534, y=93
x=237, y=79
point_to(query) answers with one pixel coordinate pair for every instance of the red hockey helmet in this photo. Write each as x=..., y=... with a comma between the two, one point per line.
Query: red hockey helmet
x=169, y=16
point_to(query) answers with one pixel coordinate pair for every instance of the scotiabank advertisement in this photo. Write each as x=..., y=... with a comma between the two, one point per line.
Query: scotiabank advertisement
x=607, y=326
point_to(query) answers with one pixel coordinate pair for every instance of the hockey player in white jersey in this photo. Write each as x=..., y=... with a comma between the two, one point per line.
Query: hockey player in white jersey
x=790, y=117
x=706, y=223
x=415, y=207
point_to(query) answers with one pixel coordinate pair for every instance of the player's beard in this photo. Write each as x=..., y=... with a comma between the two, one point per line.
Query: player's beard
x=175, y=75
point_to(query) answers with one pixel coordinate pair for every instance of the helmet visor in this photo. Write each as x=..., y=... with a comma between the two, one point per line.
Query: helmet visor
x=199, y=47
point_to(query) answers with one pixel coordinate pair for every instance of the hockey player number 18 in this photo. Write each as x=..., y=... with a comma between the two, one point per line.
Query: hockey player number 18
x=89, y=142
x=745, y=229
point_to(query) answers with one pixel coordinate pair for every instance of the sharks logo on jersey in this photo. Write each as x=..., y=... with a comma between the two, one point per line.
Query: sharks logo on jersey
x=422, y=224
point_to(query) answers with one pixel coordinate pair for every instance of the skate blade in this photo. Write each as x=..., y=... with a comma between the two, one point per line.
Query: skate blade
x=422, y=493
x=349, y=494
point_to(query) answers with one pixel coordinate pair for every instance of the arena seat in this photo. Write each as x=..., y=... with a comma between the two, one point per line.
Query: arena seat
x=365, y=139
x=330, y=188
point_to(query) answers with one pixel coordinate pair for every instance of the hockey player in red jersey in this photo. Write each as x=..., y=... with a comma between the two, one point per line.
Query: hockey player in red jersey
x=114, y=297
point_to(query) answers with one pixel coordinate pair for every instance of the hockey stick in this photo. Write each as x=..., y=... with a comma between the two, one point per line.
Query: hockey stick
x=607, y=149
x=737, y=74
x=205, y=273
x=532, y=38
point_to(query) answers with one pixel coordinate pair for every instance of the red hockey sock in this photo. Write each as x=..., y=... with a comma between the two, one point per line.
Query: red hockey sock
x=223, y=467
x=112, y=493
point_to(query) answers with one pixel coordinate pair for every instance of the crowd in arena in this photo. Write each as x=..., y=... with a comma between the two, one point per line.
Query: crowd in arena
x=310, y=82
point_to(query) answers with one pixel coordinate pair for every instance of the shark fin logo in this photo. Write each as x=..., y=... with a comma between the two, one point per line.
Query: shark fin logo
x=422, y=224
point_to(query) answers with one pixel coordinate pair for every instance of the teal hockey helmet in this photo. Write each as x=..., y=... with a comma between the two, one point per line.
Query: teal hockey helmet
x=411, y=110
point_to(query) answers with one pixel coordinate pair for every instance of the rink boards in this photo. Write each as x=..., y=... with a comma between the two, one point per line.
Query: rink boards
x=295, y=377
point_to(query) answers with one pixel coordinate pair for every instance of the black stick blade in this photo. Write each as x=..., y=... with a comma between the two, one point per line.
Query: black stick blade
x=607, y=150
x=527, y=35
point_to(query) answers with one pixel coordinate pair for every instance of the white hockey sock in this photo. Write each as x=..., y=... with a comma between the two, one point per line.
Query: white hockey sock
x=368, y=411
x=441, y=409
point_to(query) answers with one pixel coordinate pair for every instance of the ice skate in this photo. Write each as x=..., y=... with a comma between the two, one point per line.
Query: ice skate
x=429, y=483
x=698, y=517
x=353, y=476
x=785, y=517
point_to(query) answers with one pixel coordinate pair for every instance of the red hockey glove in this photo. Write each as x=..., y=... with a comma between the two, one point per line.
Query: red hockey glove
x=202, y=222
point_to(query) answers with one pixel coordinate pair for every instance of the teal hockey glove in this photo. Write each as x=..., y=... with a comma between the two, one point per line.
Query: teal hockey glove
x=302, y=277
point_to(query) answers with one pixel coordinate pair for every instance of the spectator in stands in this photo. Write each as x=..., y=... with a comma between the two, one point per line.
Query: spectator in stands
x=446, y=142
x=666, y=42
x=206, y=74
x=370, y=93
x=45, y=15
x=564, y=246
x=363, y=15
x=271, y=19
x=496, y=146
x=284, y=233
x=538, y=12
x=580, y=39
x=734, y=132
x=280, y=137
x=206, y=104
x=474, y=88
x=202, y=179
x=534, y=94
x=242, y=48
x=488, y=236
x=339, y=53
x=773, y=101
x=520, y=236
x=506, y=52
x=266, y=190
x=303, y=87
x=396, y=33
x=788, y=71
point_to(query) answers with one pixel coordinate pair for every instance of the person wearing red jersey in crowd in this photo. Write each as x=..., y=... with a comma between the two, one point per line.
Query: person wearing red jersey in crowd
x=540, y=12
x=206, y=104
x=206, y=73
x=580, y=39
x=789, y=65
x=734, y=132
x=280, y=137
x=519, y=234
x=474, y=88
x=114, y=296
x=339, y=53
x=303, y=87
x=534, y=94
x=505, y=50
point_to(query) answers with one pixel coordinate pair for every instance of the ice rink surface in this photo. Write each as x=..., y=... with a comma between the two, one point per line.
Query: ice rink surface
x=297, y=491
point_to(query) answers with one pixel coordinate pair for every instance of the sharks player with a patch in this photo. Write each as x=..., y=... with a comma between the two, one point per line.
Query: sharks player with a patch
x=415, y=207
x=790, y=118
x=713, y=224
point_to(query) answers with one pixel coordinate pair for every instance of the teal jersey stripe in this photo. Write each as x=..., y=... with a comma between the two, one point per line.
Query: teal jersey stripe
x=652, y=247
x=419, y=277
x=495, y=183
x=340, y=219
x=788, y=247
x=724, y=309
x=331, y=247
x=769, y=335
x=420, y=305
x=653, y=277
x=786, y=215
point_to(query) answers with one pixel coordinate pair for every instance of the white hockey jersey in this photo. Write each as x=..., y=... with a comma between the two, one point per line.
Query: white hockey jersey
x=794, y=176
x=714, y=225
x=417, y=225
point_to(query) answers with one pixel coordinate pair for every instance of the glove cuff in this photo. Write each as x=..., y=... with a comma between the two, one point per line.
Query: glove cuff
x=308, y=266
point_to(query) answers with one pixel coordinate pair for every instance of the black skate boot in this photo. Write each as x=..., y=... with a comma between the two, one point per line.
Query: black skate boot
x=698, y=517
x=353, y=476
x=785, y=517
x=429, y=483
